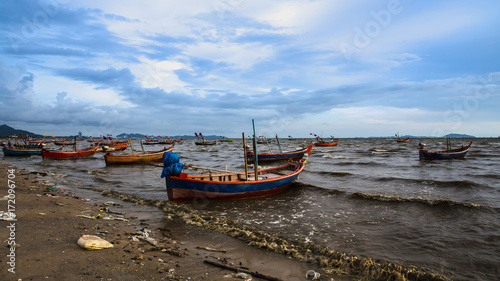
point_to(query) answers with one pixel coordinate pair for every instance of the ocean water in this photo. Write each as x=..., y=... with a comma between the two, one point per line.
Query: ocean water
x=367, y=197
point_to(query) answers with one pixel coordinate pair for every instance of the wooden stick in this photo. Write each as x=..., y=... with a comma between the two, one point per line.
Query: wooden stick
x=269, y=146
x=142, y=146
x=245, y=155
x=255, y=158
x=130, y=143
x=236, y=269
x=279, y=144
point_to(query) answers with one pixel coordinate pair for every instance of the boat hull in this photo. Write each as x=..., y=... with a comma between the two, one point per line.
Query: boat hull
x=183, y=188
x=444, y=154
x=135, y=158
x=84, y=153
x=326, y=143
x=21, y=152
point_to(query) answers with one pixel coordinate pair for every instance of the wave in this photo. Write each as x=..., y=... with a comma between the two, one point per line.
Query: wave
x=438, y=183
x=334, y=174
x=326, y=155
x=431, y=202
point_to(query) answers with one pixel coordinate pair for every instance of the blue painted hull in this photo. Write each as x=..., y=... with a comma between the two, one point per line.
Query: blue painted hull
x=24, y=152
x=444, y=154
x=21, y=152
x=184, y=188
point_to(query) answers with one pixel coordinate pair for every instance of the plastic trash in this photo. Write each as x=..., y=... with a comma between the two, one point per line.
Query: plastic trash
x=312, y=274
x=91, y=242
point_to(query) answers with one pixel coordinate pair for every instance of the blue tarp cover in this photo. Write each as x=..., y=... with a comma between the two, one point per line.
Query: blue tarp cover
x=171, y=165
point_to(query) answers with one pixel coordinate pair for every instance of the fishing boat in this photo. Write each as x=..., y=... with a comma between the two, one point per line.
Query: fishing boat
x=64, y=142
x=162, y=141
x=400, y=139
x=228, y=185
x=325, y=142
x=449, y=153
x=20, y=151
x=269, y=157
x=114, y=146
x=153, y=156
x=204, y=142
x=73, y=154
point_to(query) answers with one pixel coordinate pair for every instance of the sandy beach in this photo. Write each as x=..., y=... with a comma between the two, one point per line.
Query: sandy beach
x=48, y=223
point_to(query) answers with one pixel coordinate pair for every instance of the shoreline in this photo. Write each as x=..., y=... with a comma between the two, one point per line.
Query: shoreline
x=50, y=221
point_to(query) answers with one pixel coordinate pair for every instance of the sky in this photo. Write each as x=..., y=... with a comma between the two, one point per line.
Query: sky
x=332, y=68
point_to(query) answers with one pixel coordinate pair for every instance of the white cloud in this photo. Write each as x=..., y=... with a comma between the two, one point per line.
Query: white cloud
x=161, y=74
x=238, y=56
x=76, y=90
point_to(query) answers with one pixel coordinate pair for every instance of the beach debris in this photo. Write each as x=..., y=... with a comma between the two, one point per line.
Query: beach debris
x=86, y=216
x=211, y=249
x=240, y=270
x=313, y=275
x=144, y=236
x=241, y=275
x=92, y=242
x=7, y=216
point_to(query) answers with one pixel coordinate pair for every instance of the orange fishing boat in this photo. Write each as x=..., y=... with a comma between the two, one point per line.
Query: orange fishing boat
x=153, y=156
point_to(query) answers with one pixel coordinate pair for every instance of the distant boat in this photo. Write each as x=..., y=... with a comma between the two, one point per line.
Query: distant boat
x=402, y=140
x=269, y=157
x=82, y=153
x=204, y=142
x=64, y=142
x=153, y=156
x=181, y=186
x=457, y=153
x=325, y=142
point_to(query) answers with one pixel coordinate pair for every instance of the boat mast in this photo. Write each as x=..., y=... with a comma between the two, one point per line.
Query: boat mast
x=255, y=158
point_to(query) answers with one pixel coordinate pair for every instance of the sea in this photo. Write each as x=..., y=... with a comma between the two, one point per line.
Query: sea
x=368, y=197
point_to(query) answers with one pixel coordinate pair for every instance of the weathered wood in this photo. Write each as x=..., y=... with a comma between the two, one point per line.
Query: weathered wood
x=238, y=269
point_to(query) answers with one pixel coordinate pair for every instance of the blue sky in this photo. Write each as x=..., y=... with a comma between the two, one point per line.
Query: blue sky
x=342, y=68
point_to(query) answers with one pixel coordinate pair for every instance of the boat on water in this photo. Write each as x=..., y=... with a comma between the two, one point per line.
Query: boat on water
x=228, y=185
x=204, y=142
x=269, y=157
x=325, y=141
x=153, y=156
x=449, y=153
x=69, y=154
x=114, y=146
x=20, y=151
x=399, y=139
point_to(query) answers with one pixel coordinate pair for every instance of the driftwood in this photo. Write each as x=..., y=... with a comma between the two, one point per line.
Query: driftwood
x=237, y=269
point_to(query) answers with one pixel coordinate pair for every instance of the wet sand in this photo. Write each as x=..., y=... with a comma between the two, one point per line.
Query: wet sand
x=50, y=221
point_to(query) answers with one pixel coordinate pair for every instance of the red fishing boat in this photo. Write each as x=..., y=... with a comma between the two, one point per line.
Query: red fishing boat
x=325, y=142
x=72, y=154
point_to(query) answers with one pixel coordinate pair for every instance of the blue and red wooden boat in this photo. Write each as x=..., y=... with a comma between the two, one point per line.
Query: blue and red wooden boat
x=458, y=153
x=20, y=151
x=269, y=157
x=242, y=185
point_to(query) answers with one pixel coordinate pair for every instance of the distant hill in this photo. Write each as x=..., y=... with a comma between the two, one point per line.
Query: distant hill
x=456, y=136
x=133, y=136
x=142, y=136
x=6, y=131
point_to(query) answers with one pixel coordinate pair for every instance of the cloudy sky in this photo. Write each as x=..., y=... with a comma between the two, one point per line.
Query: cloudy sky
x=342, y=68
